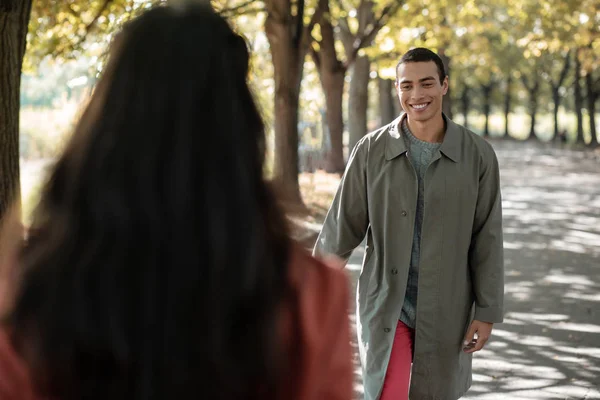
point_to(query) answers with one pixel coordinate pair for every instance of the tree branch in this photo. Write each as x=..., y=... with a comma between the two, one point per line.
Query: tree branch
x=232, y=11
x=316, y=56
x=489, y=85
x=365, y=15
x=346, y=36
x=298, y=35
x=88, y=28
x=341, y=6
x=365, y=38
x=316, y=17
x=277, y=11
x=307, y=33
x=597, y=85
x=71, y=11
x=525, y=81
x=248, y=11
x=565, y=69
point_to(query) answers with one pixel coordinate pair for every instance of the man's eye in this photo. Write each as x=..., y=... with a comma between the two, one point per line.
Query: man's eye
x=427, y=85
x=405, y=87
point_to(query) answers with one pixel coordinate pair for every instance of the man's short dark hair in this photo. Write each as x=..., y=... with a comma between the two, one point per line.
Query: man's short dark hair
x=421, y=54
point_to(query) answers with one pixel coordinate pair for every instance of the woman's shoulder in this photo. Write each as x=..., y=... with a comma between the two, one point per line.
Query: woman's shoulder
x=321, y=278
x=321, y=290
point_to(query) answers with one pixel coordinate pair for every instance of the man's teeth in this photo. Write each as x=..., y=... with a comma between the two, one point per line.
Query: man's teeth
x=419, y=106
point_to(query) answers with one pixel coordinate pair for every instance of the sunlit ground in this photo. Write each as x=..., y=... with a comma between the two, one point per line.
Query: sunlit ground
x=549, y=346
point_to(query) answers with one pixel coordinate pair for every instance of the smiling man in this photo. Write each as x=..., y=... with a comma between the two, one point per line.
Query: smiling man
x=425, y=192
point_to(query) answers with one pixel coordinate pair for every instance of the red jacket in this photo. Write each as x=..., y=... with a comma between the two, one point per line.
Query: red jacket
x=316, y=329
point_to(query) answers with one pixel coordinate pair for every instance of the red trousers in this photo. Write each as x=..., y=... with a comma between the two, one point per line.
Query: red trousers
x=397, y=376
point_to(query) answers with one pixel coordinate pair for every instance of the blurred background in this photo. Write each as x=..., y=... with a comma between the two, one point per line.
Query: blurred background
x=519, y=69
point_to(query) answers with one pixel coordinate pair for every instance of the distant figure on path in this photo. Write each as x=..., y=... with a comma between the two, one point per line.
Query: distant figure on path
x=562, y=136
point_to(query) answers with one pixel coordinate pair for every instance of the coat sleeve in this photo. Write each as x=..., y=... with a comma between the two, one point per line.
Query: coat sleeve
x=347, y=220
x=486, y=255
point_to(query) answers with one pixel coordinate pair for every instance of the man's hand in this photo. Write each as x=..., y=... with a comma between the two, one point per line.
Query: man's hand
x=334, y=262
x=483, y=330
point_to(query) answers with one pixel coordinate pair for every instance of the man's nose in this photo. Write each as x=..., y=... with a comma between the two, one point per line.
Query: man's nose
x=417, y=93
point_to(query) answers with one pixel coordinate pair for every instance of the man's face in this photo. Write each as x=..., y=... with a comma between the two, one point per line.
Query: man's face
x=420, y=91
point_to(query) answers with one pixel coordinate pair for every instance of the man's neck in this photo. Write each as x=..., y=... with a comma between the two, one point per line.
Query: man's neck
x=432, y=131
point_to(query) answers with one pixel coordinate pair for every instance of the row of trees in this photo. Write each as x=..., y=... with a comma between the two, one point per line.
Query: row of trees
x=496, y=52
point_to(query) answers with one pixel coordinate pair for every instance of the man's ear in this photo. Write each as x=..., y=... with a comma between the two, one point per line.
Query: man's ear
x=445, y=85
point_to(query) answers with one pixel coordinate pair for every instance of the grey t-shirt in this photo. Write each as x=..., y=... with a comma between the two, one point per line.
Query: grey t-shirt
x=420, y=154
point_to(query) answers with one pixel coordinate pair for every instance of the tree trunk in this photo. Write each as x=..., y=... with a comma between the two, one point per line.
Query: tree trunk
x=333, y=86
x=533, y=101
x=487, y=107
x=386, y=101
x=556, y=101
x=358, y=101
x=332, y=73
x=288, y=63
x=507, y=103
x=465, y=102
x=533, y=106
x=592, y=96
x=578, y=100
x=396, y=103
x=447, y=102
x=556, y=85
x=14, y=20
x=532, y=135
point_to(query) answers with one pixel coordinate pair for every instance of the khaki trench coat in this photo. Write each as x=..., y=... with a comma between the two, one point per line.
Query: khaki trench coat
x=461, y=272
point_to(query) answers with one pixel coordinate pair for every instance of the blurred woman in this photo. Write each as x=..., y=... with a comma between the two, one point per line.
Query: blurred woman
x=158, y=263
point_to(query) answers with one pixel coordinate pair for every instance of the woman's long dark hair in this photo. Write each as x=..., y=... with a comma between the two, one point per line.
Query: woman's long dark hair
x=157, y=259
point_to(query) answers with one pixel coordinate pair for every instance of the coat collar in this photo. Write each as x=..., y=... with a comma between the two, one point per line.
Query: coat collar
x=396, y=146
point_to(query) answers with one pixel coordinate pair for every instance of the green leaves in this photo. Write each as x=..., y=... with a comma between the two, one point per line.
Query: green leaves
x=67, y=29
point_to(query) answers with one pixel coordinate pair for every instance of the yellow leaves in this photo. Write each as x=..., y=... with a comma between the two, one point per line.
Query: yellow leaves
x=590, y=57
x=541, y=46
x=555, y=45
x=584, y=35
x=317, y=33
x=66, y=29
x=387, y=45
x=408, y=34
x=388, y=72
